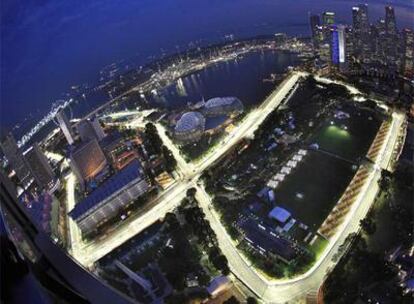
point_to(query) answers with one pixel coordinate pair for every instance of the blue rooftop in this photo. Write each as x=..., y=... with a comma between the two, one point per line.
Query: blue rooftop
x=279, y=214
x=110, y=186
x=264, y=238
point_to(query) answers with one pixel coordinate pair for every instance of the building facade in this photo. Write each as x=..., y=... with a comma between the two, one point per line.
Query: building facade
x=338, y=54
x=315, y=23
x=408, y=52
x=65, y=126
x=90, y=129
x=190, y=127
x=16, y=160
x=223, y=106
x=360, y=24
x=115, y=194
x=40, y=167
x=87, y=160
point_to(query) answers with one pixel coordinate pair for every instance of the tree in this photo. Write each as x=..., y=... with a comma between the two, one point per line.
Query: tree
x=191, y=192
x=232, y=300
x=170, y=161
x=251, y=300
x=310, y=82
x=152, y=139
x=368, y=225
x=220, y=262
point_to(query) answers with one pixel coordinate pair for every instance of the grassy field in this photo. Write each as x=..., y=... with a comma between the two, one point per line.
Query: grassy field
x=321, y=179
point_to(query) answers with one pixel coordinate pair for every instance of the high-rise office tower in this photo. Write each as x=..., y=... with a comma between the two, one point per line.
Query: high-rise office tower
x=391, y=36
x=360, y=25
x=90, y=129
x=408, y=52
x=349, y=44
x=390, y=24
x=16, y=160
x=39, y=166
x=65, y=126
x=379, y=41
x=338, y=45
x=328, y=18
x=314, y=25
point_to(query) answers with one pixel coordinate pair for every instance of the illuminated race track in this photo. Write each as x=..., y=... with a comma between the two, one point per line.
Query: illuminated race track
x=275, y=291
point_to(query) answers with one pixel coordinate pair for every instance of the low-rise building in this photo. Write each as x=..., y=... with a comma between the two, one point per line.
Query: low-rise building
x=115, y=194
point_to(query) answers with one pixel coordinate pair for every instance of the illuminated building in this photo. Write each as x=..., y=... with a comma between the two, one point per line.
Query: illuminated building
x=90, y=129
x=338, y=45
x=16, y=160
x=116, y=193
x=190, y=127
x=65, y=126
x=328, y=18
x=40, y=167
x=391, y=34
x=87, y=160
x=314, y=25
x=223, y=106
x=360, y=24
x=408, y=52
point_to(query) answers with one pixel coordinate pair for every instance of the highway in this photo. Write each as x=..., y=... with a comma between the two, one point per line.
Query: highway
x=75, y=234
x=270, y=291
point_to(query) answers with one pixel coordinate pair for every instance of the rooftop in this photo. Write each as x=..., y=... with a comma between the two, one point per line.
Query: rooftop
x=264, y=239
x=109, y=187
x=222, y=101
x=279, y=214
x=190, y=121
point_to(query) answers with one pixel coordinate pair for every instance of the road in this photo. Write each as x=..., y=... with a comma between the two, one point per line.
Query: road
x=189, y=173
x=75, y=234
x=275, y=291
x=251, y=122
x=282, y=291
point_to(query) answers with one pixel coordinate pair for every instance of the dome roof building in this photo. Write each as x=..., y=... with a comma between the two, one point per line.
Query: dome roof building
x=223, y=106
x=190, y=127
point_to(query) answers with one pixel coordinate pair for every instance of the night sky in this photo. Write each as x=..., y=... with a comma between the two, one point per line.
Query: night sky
x=48, y=46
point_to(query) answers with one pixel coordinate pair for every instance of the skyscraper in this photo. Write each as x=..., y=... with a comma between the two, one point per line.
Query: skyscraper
x=328, y=18
x=391, y=35
x=338, y=45
x=16, y=160
x=360, y=24
x=390, y=24
x=65, y=126
x=39, y=166
x=90, y=129
x=408, y=52
x=314, y=24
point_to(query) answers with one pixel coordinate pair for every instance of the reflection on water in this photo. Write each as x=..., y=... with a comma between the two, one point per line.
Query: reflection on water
x=241, y=77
